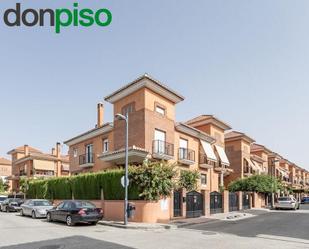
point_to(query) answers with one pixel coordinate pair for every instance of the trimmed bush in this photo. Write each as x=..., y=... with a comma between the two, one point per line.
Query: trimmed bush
x=149, y=181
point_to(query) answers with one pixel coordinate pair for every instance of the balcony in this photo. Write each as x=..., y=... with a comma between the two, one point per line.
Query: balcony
x=205, y=163
x=162, y=150
x=186, y=156
x=86, y=160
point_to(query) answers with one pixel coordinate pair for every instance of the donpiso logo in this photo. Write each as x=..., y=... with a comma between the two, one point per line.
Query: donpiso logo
x=58, y=18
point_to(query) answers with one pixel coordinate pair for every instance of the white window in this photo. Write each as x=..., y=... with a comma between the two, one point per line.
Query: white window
x=89, y=153
x=74, y=152
x=183, y=148
x=203, y=179
x=105, y=145
x=159, y=140
x=183, y=143
x=160, y=110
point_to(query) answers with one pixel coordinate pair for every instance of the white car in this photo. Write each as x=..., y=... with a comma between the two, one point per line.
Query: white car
x=36, y=208
x=287, y=202
x=2, y=198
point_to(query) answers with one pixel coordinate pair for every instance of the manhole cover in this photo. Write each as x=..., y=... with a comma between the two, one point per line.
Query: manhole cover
x=52, y=247
x=209, y=233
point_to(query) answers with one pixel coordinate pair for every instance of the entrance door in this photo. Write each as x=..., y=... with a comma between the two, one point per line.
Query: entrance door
x=177, y=203
x=233, y=201
x=246, y=200
x=194, y=204
x=215, y=203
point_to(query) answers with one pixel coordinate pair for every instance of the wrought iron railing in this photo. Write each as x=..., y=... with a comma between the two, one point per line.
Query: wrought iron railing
x=86, y=158
x=162, y=147
x=186, y=154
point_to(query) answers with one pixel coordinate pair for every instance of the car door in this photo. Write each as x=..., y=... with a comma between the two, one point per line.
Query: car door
x=29, y=207
x=25, y=207
x=56, y=212
x=62, y=213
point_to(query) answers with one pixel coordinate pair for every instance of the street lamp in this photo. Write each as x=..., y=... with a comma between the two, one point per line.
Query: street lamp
x=272, y=182
x=119, y=116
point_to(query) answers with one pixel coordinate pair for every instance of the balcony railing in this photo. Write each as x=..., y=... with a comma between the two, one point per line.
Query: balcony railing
x=86, y=159
x=186, y=156
x=162, y=149
x=203, y=160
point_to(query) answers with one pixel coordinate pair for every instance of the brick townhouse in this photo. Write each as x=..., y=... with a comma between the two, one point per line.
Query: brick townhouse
x=203, y=143
x=154, y=134
x=33, y=163
x=5, y=168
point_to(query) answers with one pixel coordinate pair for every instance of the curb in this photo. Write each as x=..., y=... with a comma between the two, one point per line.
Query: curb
x=141, y=226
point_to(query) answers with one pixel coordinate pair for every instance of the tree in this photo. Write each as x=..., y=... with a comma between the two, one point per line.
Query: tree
x=188, y=179
x=153, y=179
x=1, y=185
x=256, y=183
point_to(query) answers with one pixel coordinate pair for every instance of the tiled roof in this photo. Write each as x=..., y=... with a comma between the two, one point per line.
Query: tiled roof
x=89, y=132
x=199, y=120
x=4, y=161
x=21, y=149
x=237, y=134
x=145, y=76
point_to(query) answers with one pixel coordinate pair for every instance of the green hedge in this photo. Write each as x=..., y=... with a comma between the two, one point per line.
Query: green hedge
x=85, y=186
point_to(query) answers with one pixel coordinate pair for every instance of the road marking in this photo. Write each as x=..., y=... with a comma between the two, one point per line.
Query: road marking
x=283, y=238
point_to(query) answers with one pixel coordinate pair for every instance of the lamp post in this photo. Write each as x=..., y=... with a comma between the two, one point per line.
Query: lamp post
x=126, y=119
x=272, y=182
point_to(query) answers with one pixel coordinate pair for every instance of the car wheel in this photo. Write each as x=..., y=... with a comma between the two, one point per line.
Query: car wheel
x=69, y=221
x=7, y=210
x=94, y=223
x=33, y=215
x=48, y=217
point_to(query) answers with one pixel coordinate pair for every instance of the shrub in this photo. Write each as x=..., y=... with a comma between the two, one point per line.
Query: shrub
x=188, y=179
x=153, y=180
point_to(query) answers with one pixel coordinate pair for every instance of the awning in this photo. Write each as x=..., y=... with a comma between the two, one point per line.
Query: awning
x=222, y=155
x=44, y=165
x=284, y=173
x=65, y=167
x=209, y=151
x=251, y=164
x=257, y=166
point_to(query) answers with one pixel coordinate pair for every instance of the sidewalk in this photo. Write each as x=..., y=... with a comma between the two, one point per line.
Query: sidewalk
x=179, y=223
x=136, y=225
x=231, y=216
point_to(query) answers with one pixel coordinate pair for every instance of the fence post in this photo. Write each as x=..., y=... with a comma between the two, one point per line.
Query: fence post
x=240, y=198
x=225, y=201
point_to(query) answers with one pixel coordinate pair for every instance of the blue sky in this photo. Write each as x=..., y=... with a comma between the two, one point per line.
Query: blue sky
x=244, y=61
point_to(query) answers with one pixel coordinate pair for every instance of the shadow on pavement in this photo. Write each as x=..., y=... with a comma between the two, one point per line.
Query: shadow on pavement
x=74, y=242
x=290, y=224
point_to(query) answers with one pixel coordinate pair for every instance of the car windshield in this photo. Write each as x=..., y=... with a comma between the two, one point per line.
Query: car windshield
x=84, y=204
x=41, y=203
x=14, y=200
x=284, y=199
x=3, y=198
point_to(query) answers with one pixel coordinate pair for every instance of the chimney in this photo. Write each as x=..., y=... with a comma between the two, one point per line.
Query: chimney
x=100, y=110
x=26, y=150
x=58, y=150
x=53, y=151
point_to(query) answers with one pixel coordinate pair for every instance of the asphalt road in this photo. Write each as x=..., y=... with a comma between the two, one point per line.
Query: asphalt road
x=284, y=230
x=284, y=223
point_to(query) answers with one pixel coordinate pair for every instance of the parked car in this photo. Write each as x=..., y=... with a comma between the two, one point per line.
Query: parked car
x=305, y=200
x=74, y=211
x=11, y=205
x=287, y=203
x=2, y=198
x=36, y=208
